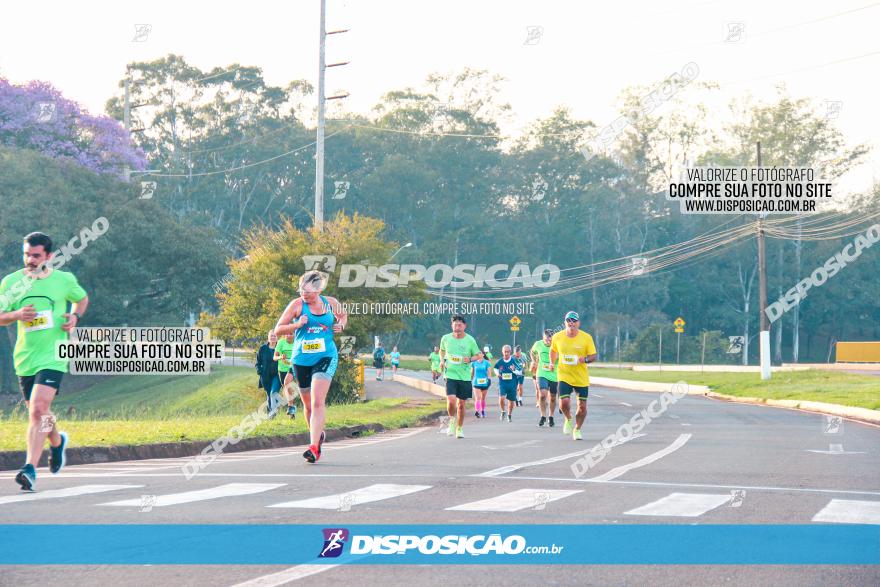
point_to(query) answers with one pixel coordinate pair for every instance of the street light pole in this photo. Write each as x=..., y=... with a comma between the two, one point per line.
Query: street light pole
x=400, y=249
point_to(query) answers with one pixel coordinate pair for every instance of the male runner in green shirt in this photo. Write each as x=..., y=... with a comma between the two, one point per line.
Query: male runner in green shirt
x=36, y=297
x=457, y=350
x=434, y=357
x=545, y=378
x=284, y=354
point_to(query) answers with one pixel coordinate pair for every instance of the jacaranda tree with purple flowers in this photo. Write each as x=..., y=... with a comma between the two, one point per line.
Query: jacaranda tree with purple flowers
x=36, y=116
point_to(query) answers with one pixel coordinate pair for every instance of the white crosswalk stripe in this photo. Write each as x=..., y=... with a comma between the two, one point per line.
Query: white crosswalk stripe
x=688, y=505
x=67, y=492
x=228, y=490
x=517, y=500
x=341, y=501
x=849, y=511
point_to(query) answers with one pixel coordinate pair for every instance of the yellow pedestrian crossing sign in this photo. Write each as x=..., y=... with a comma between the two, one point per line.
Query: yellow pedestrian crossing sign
x=515, y=321
x=679, y=324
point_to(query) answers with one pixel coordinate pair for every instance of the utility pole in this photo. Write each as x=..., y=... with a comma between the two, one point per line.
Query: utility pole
x=764, y=340
x=319, y=143
x=126, y=118
x=660, y=350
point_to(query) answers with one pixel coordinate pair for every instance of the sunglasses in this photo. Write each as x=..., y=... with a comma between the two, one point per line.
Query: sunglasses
x=572, y=320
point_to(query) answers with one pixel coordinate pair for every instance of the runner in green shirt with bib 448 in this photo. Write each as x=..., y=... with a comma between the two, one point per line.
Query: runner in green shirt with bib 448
x=37, y=297
x=457, y=350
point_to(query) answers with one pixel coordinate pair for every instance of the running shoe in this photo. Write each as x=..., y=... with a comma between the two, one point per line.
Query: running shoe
x=503, y=416
x=566, y=428
x=312, y=454
x=57, y=456
x=550, y=422
x=291, y=411
x=451, y=430
x=27, y=478
x=459, y=433
x=483, y=413
x=477, y=415
x=542, y=421
x=509, y=418
x=576, y=434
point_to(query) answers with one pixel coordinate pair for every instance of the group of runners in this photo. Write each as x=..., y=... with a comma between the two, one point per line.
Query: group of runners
x=379, y=361
x=557, y=363
x=46, y=304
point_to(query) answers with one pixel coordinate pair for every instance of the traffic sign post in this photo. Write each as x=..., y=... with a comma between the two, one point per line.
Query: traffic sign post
x=679, y=328
x=514, y=327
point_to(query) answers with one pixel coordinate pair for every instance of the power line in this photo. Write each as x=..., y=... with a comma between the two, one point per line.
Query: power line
x=239, y=168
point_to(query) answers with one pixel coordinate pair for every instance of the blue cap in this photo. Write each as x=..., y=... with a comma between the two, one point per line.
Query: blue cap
x=572, y=316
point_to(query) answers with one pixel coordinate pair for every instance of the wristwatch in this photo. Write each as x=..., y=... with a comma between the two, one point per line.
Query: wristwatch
x=78, y=316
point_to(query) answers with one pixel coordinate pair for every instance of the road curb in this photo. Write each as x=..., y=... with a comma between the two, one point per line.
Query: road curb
x=421, y=385
x=86, y=455
x=860, y=414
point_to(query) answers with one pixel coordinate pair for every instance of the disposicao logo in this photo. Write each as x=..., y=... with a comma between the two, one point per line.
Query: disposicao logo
x=334, y=541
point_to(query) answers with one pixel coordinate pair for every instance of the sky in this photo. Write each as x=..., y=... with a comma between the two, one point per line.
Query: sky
x=582, y=57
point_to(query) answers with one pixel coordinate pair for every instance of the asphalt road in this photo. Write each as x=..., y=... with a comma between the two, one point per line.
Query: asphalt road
x=702, y=462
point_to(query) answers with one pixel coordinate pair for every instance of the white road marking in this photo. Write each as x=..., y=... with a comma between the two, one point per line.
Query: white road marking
x=510, y=468
x=836, y=449
x=286, y=576
x=625, y=404
x=846, y=511
x=694, y=485
x=623, y=469
x=516, y=500
x=685, y=424
x=67, y=492
x=517, y=445
x=368, y=494
x=228, y=490
x=688, y=505
x=597, y=395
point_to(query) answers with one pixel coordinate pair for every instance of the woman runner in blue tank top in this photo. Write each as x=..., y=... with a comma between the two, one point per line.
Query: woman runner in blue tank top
x=313, y=319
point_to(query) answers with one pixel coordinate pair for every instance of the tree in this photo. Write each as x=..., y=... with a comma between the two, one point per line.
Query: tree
x=148, y=269
x=36, y=116
x=266, y=279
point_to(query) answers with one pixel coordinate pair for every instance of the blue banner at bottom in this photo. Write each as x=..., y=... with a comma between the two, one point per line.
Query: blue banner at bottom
x=440, y=544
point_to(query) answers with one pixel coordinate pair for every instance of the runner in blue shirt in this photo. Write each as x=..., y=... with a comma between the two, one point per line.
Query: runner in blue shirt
x=481, y=371
x=507, y=368
x=395, y=361
x=313, y=319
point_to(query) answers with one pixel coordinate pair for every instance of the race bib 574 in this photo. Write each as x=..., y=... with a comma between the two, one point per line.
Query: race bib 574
x=42, y=321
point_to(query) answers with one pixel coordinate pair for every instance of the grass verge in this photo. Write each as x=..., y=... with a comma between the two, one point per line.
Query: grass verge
x=846, y=389
x=389, y=412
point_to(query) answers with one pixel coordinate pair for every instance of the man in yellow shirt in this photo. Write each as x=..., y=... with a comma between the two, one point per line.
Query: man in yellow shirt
x=570, y=351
